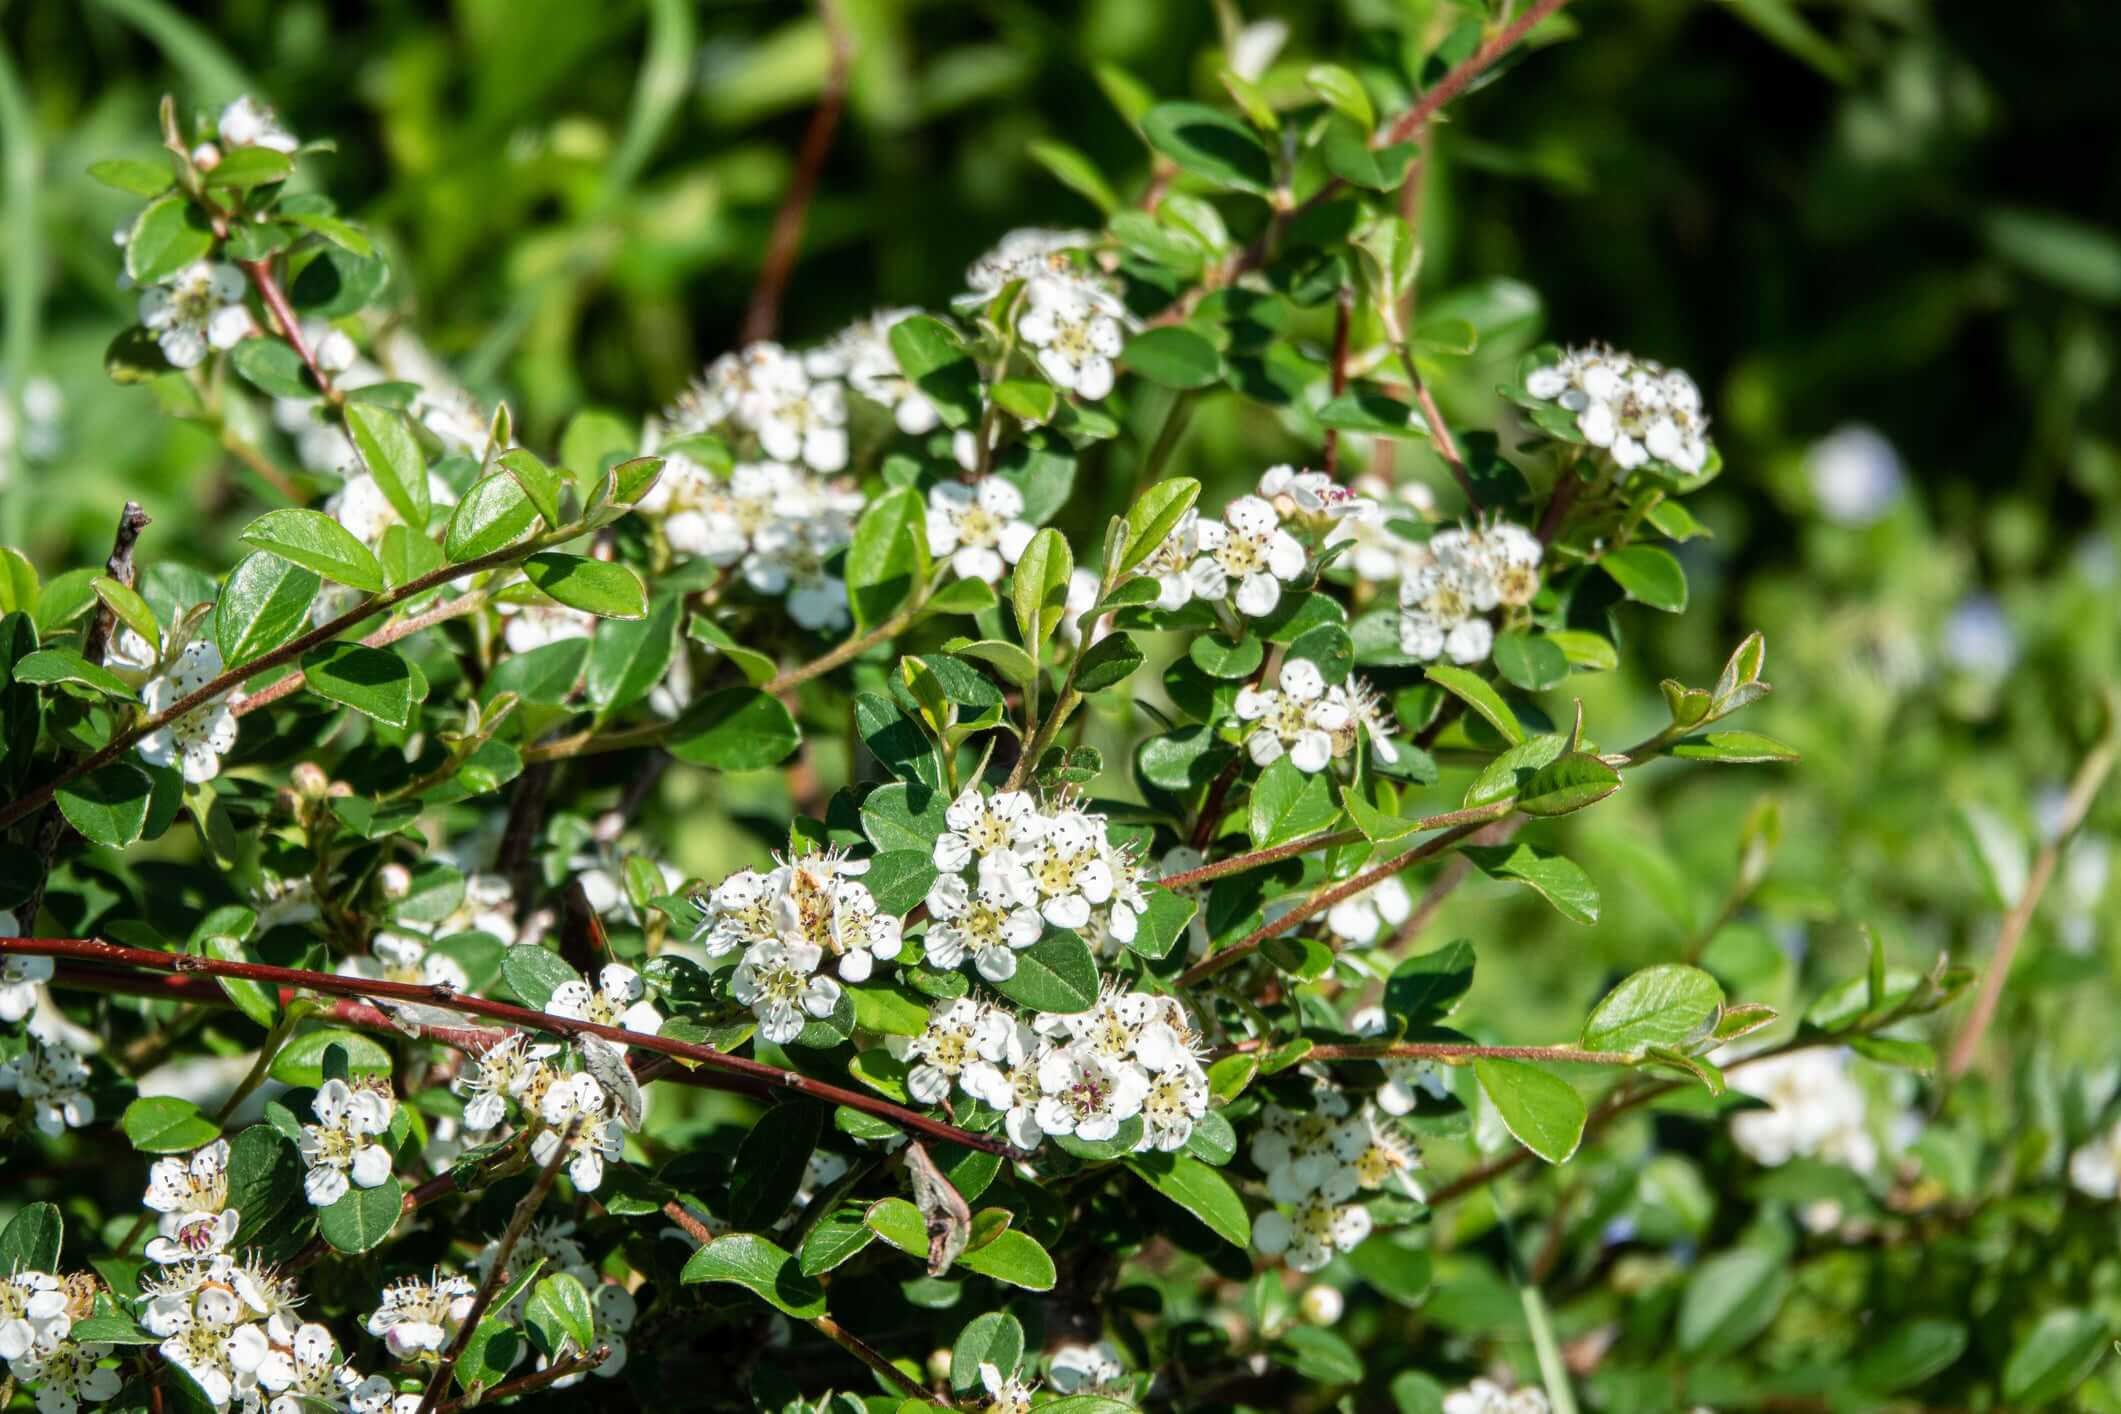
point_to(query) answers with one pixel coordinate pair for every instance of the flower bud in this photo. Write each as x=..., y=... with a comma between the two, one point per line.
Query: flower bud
x=206, y=157
x=1322, y=1305
x=395, y=880
x=309, y=779
x=939, y=1364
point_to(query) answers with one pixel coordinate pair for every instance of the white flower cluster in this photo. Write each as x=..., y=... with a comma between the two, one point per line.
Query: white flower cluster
x=574, y=1109
x=789, y=921
x=1316, y=1161
x=1086, y=1074
x=1310, y=723
x=1019, y=255
x=1637, y=410
x=417, y=1319
x=348, y=1145
x=1484, y=1396
x=775, y=523
x=230, y=1325
x=52, y=1079
x=794, y=408
x=405, y=957
x=1008, y=867
x=861, y=353
x=1816, y=1110
x=196, y=741
x=981, y=527
x=197, y=309
x=1076, y=327
x=37, y=1315
x=1379, y=554
x=1444, y=604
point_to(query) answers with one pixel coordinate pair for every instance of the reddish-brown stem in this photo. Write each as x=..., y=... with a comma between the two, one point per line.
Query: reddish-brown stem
x=763, y=316
x=330, y=984
x=1239, y=863
x=1244, y=947
x=1441, y=1051
x=390, y=633
x=1558, y=503
x=1343, y=310
x=268, y=288
x=531, y=1383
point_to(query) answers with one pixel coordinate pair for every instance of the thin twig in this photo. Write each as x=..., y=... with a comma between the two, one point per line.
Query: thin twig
x=1343, y=309
x=1239, y=863
x=497, y=1273
x=763, y=316
x=449, y=999
x=1444, y=1051
x=2083, y=789
x=531, y=1383
x=390, y=633
x=268, y=288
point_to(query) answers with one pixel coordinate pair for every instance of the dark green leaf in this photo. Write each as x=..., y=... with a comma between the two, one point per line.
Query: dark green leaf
x=1649, y=575
x=316, y=541
x=1174, y=357
x=108, y=806
x=1056, y=974
x=735, y=729
x=767, y=1271
x=164, y=1124
x=1210, y=144
x=373, y=681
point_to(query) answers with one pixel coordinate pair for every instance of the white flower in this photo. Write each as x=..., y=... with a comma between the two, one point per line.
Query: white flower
x=1375, y=1153
x=417, y=1319
x=958, y=1034
x=1310, y=494
x=1816, y=1110
x=196, y=741
x=778, y=981
x=405, y=957
x=989, y=929
x=1487, y=1397
x=1010, y=1084
x=543, y=623
x=1084, y=1369
x=1075, y=326
x=211, y=1335
x=503, y=1072
x=1005, y=1396
x=1978, y=638
x=1633, y=408
x=1856, y=475
x=1247, y=555
x=306, y=1369
x=1024, y=252
x=1298, y=719
x=1513, y=555
x=68, y=1373
x=1083, y=585
x=1171, y=566
x=342, y=1144
x=249, y=123
x=22, y=977
x=2095, y=1167
x=53, y=1079
x=981, y=528
x=1086, y=1096
x=192, y=1197
x=1071, y=868
x=198, y=308
x=1175, y=1100
x=580, y=1101
x=1443, y=605
x=1310, y=1236
x=982, y=825
x=30, y=1303
x=1380, y=554
x=795, y=409
x=736, y=913
x=817, y=900
x=619, y=999
x=1366, y=713
x=872, y=370
x=1361, y=917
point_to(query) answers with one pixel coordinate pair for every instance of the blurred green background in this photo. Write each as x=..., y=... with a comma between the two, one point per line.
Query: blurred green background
x=1880, y=233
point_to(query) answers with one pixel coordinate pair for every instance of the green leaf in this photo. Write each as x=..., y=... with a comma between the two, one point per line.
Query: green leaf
x=1211, y=145
x=164, y=1124
x=1288, y=803
x=1531, y=661
x=757, y=668
x=1163, y=923
x=1108, y=662
x=893, y=821
x=1038, y=592
x=1006, y=658
x=48, y=667
x=1649, y=575
x=1730, y=1298
x=1734, y=748
x=735, y=729
x=274, y=368
x=1225, y=659
x=1153, y=516
x=493, y=514
x=1320, y=1356
x=131, y=176
x=1670, y=1004
x=1476, y=694
x=768, y=1272
x=1349, y=156
x=340, y=233
x=265, y=603
x=1908, y=1354
x=131, y=609
x=1556, y=879
x=244, y=167
x=108, y=806
x=301, y=1061
x=899, y=879
x=317, y=542
x=1343, y=93
x=770, y=1163
x=265, y=1174
x=1014, y=1258
x=373, y=681
x=628, y=657
x=384, y=439
x=557, y=1312
x=994, y=1338
x=1074, y=171
x=1028, y=400
x=1566, y=784
x=1173, y=356
x=1541, y=1109
x=888, y=558
x=167, y=236
x=1424, y=989
x=1056, y=974
x=540, y=483
x=1362, y=409
x=1200, y=1190
x=2054, y=1357
x=492, y=1351
x=31, y=1240
x=837, y=1236
x=362, y=1217
x=610, y=591
x=930, y=353
x=534, y=974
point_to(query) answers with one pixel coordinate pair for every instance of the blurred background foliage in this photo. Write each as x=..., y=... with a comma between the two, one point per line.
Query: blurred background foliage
x=1880, y=233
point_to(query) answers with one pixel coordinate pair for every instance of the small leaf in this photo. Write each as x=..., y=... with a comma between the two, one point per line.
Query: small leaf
x=735, y=729
x=317, y=542
x=1107, y=662
x=273, y=367
x=558, y=1312
x=1056, y=974
x=994, y=1338
x=1074, y=171
x=1734, y=748
x=1730, y=1298
x=373, y=681
x=494, y=514
x=48, y=667
x=164, y=1124
x=1343, y=92
x=1670, y=1004
x=362, y=1217
x=1531, y=661
x=1200, y=1190
x=837, y=1236
x=130, y=608
x=1542, y=1110
x=534, y=974
x=1566, y=784
x=1039, y=590
x=265, y=603
x=1424, y=989
x=770, y=1163
x=888, y=558
x=1151, y=519
x=1477, y=694
x=1560, y=881
x=1649, y=575
x=108, y=806
x=384, y=439
x=131, y=176
x=1173, y=356
x=610, y=591
x=169, y=234
x=930, y=353
x=32, y=1238
x=767, y=1271
x=1210, y=144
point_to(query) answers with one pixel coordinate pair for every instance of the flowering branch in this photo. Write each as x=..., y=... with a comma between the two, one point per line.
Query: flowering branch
x=449, y=999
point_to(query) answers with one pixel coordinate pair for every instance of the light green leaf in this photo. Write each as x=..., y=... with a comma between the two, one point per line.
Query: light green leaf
x=888, y=558
x=1476, y=694
x=1650, y=576
x=1076, y=172
x=558, y=1312
x=1200, y=1190
x=2054, y=1357
x=265, y=603
x=1542, y=1110
x=494, y=513
x=1039, y=591
x=384, y=439
x=1153, y=516
x=169, y=234
x=1555, y=878
x=1173, y=356
x=164, y=1124
x=48, y=667
x=317, y=542
x=1670, y=1004
x=610, y=591
x=735, y=729
x=362, y=1217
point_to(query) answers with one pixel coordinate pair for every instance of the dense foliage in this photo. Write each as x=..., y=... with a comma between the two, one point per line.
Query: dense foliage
x=1113, y=836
